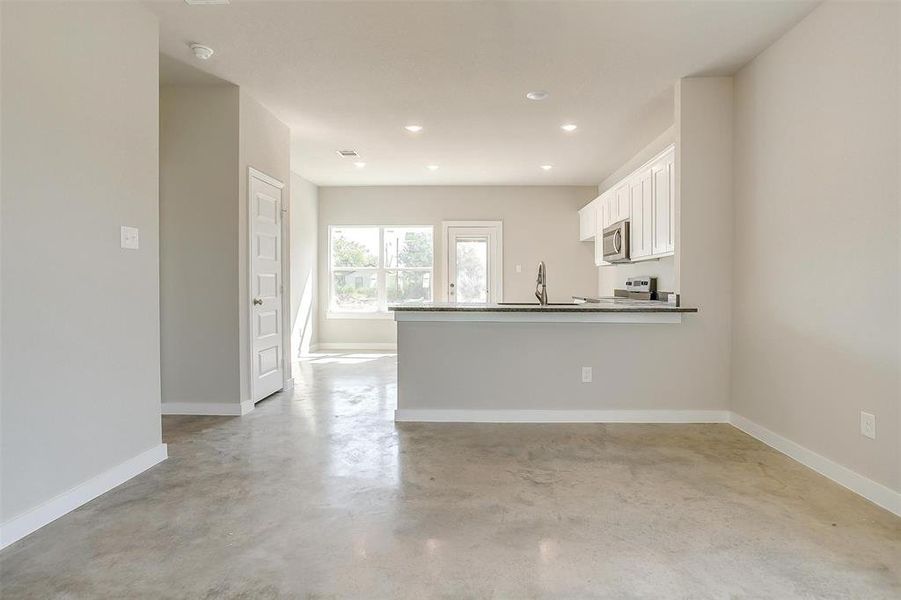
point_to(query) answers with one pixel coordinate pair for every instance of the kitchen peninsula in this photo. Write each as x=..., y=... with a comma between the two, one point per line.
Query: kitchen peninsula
x=537, y=363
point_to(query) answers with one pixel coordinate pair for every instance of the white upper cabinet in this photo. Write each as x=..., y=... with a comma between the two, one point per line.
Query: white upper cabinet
x=664, y=204
x=588, y=220
x=647, y=197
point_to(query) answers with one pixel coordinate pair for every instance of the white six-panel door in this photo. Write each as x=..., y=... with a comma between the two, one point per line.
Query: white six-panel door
x=267, y=356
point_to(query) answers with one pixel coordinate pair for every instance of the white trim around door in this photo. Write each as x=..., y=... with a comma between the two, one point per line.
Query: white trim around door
x=266, y=307
x=494, y=230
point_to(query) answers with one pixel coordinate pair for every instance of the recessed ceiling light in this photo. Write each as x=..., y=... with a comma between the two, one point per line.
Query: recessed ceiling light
x=569, y=127
x=547, y=167
x=201, y=52
x=360, y=164
x=432, y=167
x=537, y=95
x=413, y=128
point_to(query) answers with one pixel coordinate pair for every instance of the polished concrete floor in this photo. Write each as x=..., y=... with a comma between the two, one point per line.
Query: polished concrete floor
x=317, y=494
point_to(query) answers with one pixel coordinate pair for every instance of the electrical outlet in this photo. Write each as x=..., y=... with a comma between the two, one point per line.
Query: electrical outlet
x=128, y=237
x=586, y=374
x=868, y=425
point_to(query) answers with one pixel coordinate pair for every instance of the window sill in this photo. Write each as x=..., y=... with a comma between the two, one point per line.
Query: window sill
x=368, y=316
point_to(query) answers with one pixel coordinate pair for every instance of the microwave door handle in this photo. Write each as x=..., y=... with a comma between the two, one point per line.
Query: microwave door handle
x=617, y=242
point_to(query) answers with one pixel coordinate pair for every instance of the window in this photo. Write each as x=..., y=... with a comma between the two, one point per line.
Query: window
x=372, y=267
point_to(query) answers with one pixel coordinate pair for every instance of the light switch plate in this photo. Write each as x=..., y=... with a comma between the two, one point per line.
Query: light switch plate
x=868, y=425
x=519, y=268
x=129, y=238
x=586, y=374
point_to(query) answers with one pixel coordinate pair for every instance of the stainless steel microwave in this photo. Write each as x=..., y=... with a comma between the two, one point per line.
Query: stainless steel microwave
x=616, y=242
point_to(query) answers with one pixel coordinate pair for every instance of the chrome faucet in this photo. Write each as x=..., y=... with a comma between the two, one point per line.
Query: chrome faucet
x=541, y=286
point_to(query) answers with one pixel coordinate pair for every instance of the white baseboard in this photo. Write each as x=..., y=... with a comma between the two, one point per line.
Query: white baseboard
x=18, y=527
x=357, y=346
x=560, y=416
x=222, y=409
x=874, y=492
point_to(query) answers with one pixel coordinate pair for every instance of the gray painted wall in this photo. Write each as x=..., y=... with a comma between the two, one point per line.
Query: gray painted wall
x=537, y=366
x=540, y=223
x=210, y=135
x=704, y=232
x=199, y=243
x=304, y=265
x=816, y=237
x=80, y=316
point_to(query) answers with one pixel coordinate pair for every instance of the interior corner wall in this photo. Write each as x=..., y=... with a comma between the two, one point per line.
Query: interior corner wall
x=304, y=265
x=80, y=316
x=817, y=188
x=265, y=145
x=198, y=243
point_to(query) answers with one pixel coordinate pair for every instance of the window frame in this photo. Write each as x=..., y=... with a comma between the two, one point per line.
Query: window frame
x=380, y=270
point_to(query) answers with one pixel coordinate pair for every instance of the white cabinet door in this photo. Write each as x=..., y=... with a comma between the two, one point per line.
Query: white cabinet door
x=604, y=206
x=588, y=220
x=620, y=204
x=635, y=241
x=664, y=204
x=672, y=203
x=641, y=198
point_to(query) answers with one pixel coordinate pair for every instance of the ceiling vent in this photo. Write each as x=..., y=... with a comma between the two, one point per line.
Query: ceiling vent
x=202, y=2
x=348, y=154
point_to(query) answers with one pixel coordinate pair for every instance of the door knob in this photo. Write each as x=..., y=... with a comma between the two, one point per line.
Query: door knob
x=257, y=301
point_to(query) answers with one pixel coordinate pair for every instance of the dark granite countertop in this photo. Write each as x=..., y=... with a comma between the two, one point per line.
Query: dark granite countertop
x=614, y=305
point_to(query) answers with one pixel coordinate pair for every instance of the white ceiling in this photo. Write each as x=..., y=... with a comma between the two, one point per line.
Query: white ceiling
x=352, y=74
